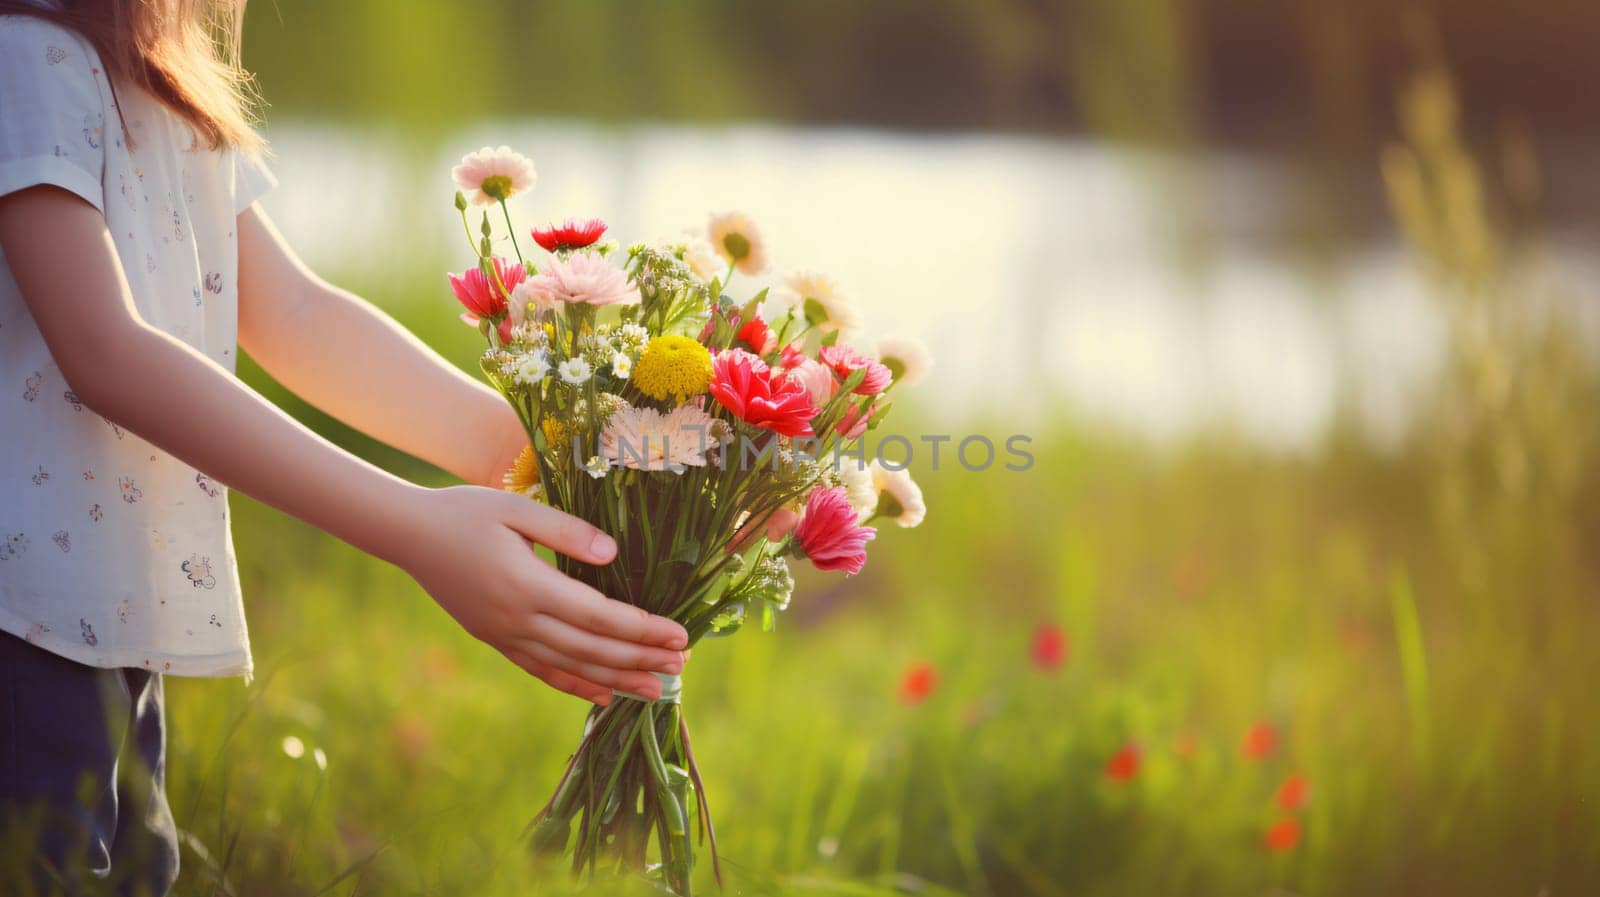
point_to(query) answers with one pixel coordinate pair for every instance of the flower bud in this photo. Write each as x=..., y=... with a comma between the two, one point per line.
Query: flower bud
x=461, y=201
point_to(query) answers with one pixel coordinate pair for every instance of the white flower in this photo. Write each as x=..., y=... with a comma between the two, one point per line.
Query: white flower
x=575, y=371
x=634, y=333
x=491, y=175
x=899, y=496
x=856, y=479
x=621, y=365
x=837, y=312
x=532, y=368
x=906, y=357
x=703, y=260
x=597, y=467
x=736, y=238
x=646, y=439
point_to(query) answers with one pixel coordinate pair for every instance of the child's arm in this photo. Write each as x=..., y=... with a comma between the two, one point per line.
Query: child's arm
x=351, y=360
x=465, y=545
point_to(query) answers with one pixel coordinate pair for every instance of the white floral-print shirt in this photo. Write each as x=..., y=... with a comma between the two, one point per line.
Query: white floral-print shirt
x=112, y=552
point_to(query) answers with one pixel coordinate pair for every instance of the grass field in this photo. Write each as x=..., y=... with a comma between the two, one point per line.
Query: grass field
x=1232, y=621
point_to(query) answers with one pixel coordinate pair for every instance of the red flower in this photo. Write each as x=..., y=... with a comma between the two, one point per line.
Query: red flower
x=1284, y=835
x=1293, y=793
x=1049, y=647
x=919, y=681
x=1259, y=741
x=846, y=361
x=1124, y=764
x=830, y=532
x=483, y=297
x=743, y=384
x=757, y=335
x=570, y=234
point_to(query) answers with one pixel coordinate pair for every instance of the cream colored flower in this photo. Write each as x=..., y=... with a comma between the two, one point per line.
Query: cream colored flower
x=621, y=365
x=813, y=294
x=736, y=238
x=597, y=467
x=856, y=478
x=899, y=496
x=491, y=175
x=703, y=260
x=646, y=439
x=906, y=357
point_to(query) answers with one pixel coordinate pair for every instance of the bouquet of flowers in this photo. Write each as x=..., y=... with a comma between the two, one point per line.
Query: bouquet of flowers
x=712, y=438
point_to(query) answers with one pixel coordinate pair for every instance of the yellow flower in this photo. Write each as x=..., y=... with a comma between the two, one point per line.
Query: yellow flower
x=522, y=477
x=673, y=366
x=555, y=432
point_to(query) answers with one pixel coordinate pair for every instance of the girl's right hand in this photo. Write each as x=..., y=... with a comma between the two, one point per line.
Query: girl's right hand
x=472, y=554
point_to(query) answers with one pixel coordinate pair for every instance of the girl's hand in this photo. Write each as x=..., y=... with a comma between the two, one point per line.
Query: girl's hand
x=472, y=554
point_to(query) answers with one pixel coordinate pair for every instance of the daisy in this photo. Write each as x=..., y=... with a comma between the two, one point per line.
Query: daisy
x=597, y=467
x=647, y=439
x=583, y=277
x=575, y=371
x=817, y=296
x=899, y=496
x=493, y=175
x=532, y=368
x=737, y=239
x=906, y=357
x=621, y=365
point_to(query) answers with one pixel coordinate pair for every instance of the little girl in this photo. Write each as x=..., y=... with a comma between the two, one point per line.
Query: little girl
x=136, y=264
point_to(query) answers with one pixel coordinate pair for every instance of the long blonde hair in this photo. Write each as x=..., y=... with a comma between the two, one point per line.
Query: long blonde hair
x=185, y=53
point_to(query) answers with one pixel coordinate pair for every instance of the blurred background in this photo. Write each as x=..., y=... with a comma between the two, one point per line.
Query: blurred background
x=1297, y=301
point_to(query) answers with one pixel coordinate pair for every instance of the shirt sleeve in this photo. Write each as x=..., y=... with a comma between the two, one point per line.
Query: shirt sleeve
x=251, y=180
x=52, y=115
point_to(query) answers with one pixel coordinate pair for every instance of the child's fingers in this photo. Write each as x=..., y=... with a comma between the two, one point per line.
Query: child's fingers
x=559, y=680
x=586, y=608
x=582, y=644
x=559, y=531
x=632, y=681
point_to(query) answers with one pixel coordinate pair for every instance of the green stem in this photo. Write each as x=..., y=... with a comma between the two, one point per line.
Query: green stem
x=510, y=229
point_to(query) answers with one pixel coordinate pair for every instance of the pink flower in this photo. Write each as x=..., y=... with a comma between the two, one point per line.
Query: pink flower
x=744, y=384
x=570, y=234
x=791, y=357
x=481, y=295
x=846, y=361
x=493, y=175
x=831, y=534
x=855, y=422
x=583, y=277
x=819, y=381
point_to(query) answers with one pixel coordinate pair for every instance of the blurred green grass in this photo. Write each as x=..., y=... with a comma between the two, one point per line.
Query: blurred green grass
x=1443, y=729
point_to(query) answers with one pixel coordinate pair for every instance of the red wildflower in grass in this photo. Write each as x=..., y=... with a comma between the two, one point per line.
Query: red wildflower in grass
x=1049, y=648
x=1293, y=793
x=919, y=681
x=846, y=361
x=757, y=335
x=569, y=234
x=482, y=297
x=1259, y=741
x=1282, y=836
x=830, y=532
x=1124, y=764
x=743, y=384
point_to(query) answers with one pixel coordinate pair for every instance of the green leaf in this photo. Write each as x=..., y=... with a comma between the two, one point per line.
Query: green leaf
x=815, y=313
x=687, y=553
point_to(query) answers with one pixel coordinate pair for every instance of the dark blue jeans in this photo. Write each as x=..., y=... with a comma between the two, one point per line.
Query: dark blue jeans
x=83, y=803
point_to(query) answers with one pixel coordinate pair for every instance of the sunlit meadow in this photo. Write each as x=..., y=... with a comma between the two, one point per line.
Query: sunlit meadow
x=1298, y=596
